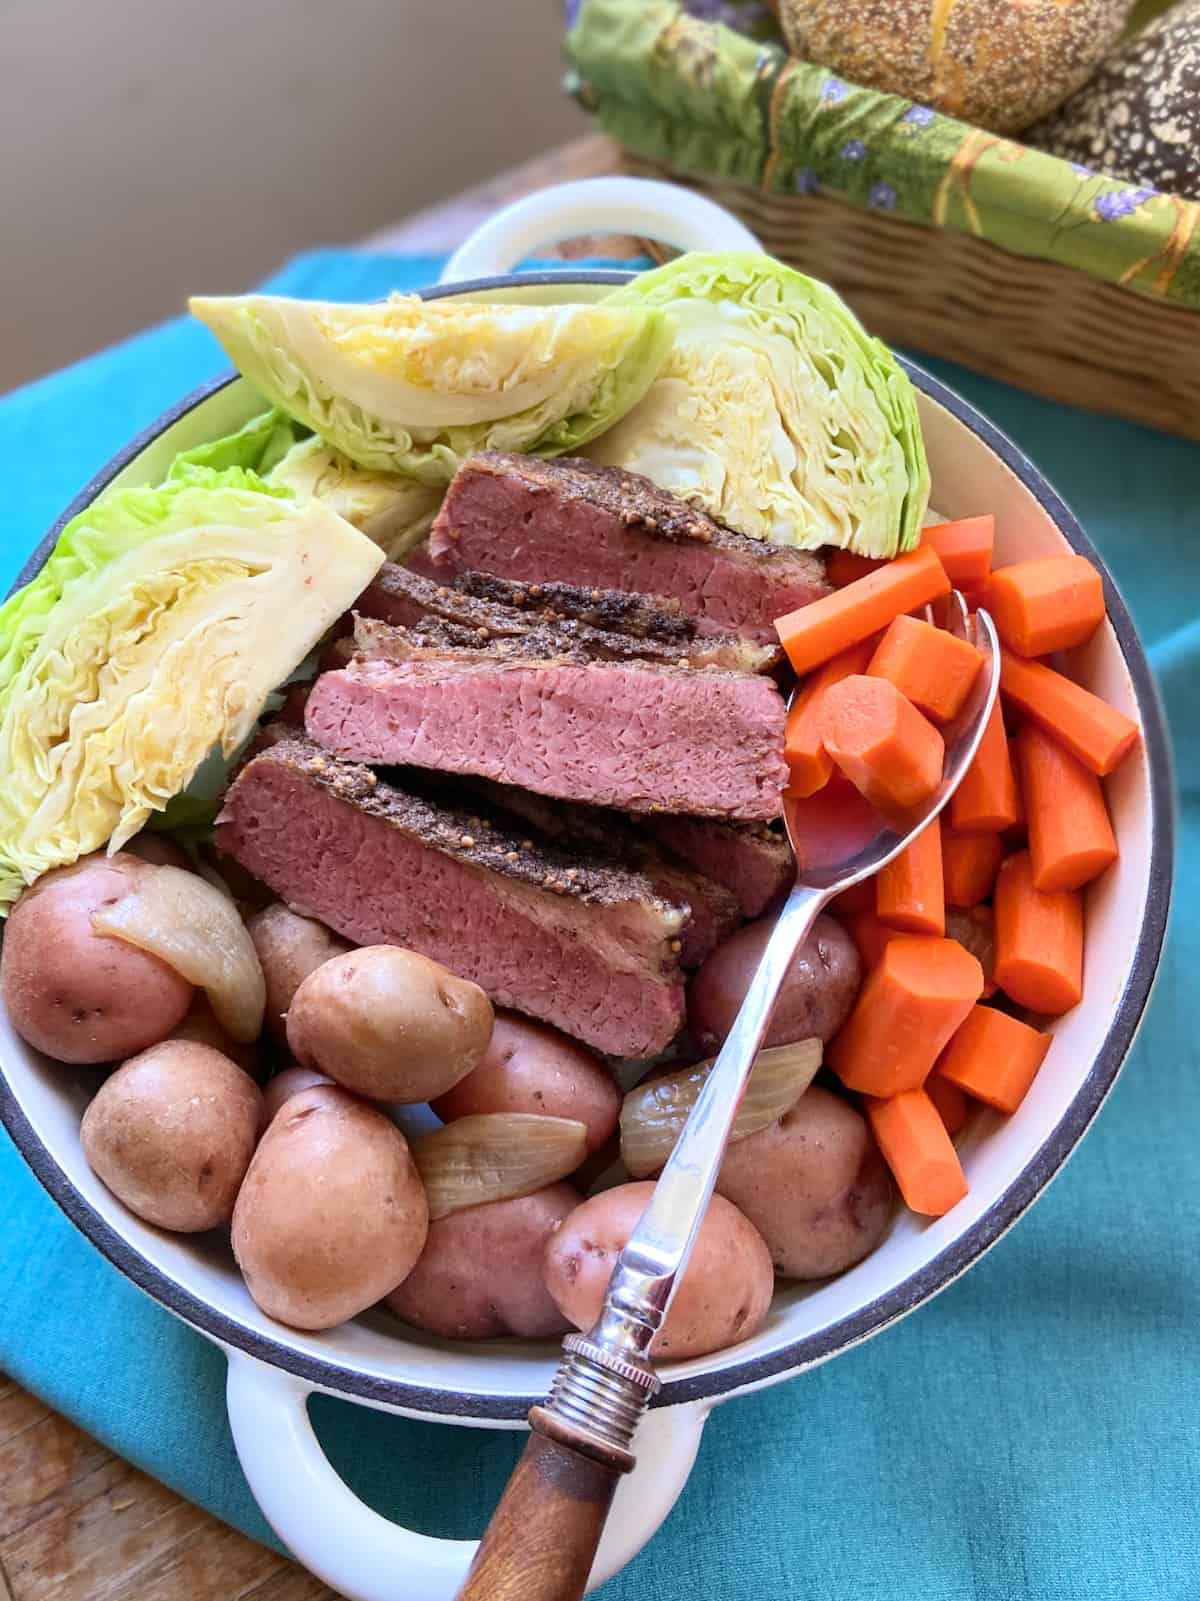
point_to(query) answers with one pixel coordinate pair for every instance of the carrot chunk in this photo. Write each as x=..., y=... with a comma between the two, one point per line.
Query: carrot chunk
x=964, y=548
x=823, y=628
x=970, y=863
x=1039, y=940
x=1020, y=822
x=889, y=752
x=916, y=1146
x=808, y=761
x=950, y=1101
x=871, y=936
x=986, y=800
x=909, y=894
x=907, y=1009
x=845, y=566
x=993, y=1058
x=1048, y=604
x=1097, y=734
x=1070, y=837
x=930, y=667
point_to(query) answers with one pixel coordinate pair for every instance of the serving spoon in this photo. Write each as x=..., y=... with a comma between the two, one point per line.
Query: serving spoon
x=542, y=1539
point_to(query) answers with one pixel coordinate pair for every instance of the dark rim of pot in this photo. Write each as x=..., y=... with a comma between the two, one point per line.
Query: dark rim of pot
x=734, y=1374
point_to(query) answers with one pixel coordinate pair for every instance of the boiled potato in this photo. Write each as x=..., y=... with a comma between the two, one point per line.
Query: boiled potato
x=202, y=1027
x=159, y=850
x=390, y=1024
x=75, y=994
x=480, y=1274
x=818, y=992
x=813, y=1184
x=289, y=947
x=529, y=1067
x=171, y=1133
x=287, y=1083
x=331, y=1216
x=723, y=1295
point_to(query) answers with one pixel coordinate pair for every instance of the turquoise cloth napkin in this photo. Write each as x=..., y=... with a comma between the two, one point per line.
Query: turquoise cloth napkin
x=1032, y=1435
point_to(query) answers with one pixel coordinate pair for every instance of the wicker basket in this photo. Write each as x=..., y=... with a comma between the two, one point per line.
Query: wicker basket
x=942, y=237
x=1049, y=329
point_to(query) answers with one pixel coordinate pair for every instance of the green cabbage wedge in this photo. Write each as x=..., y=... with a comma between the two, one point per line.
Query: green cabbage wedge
x=413, y=386
x=775, y=411
x=394, y=511
x=154, y=633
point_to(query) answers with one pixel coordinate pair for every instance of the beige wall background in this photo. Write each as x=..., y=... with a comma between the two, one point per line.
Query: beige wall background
x=150, y=148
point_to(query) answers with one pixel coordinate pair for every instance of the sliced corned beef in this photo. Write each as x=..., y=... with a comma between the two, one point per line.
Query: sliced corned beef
x=607, y=624
x=714, y=910
x=624, y=734
x=565, y=937
x=749, y=859
x=579, y=522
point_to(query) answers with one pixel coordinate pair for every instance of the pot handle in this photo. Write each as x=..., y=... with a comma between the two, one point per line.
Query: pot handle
x=363, y=1556
x=639, y=206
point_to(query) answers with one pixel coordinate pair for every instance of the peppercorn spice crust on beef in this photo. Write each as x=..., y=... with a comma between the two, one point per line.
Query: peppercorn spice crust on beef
x=579, y=522
x=562, y=936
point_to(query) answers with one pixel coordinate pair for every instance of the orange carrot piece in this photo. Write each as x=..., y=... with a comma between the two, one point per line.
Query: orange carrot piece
x=1020, y=823
x=1070, y=837
x=906, y=1011
x=986, y=800
x=808, y=761
x=1047, y=604
x=975, y=928
x=930, y=667
x=858, y=898
x=823, y=628
x=916, y=1146
x=1097, y=734
x=871, y=936
x=970, y=863
x=909, y=894
x=964, y=548
x=951, y=1102
x=890, y=753
x=994, y=1058
x=845, y=566
x=1039, y=940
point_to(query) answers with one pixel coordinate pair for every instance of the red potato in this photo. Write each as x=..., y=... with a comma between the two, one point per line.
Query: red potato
x=291, y=1081
x=820, y=988
x=202, y=1028
x=721, y=1300
x=289, y=947
x=480, y=1274
x=75, y=994
x=159, y=850
x=529, y=1067
x=814, y=1185
x=331, y=1215
x=171, y=1134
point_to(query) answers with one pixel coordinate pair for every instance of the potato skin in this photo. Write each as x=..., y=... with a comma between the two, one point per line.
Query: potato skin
x=721, y=1300
x=75, y=994
x=202, y=1027
x=331, y=1215
x=814, y=1185
x=480, y=1274
x=389, y=1024
x=289, y=947
x=286, y=1083
x=820, y=988
x=171, y=1134
x=529, y=1067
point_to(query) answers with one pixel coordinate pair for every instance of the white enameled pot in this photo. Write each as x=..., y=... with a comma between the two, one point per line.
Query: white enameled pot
x=273, y=1369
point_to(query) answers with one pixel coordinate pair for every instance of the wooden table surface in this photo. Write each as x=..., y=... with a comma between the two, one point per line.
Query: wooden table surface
x=77, y=1523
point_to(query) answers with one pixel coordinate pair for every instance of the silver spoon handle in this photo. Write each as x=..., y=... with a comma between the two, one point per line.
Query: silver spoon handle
x=606, y=1379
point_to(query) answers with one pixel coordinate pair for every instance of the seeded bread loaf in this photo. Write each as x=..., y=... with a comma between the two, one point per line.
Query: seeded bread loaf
x=1000, y=64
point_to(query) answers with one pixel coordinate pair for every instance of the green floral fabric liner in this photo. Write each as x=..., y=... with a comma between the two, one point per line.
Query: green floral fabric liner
x=722, y=98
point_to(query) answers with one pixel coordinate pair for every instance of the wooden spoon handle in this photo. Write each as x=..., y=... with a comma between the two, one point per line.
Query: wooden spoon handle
x=542, y=1539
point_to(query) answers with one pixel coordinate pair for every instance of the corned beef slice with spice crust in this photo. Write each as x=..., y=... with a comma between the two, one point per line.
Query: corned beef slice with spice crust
x=582, y=523
x=562, y=936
